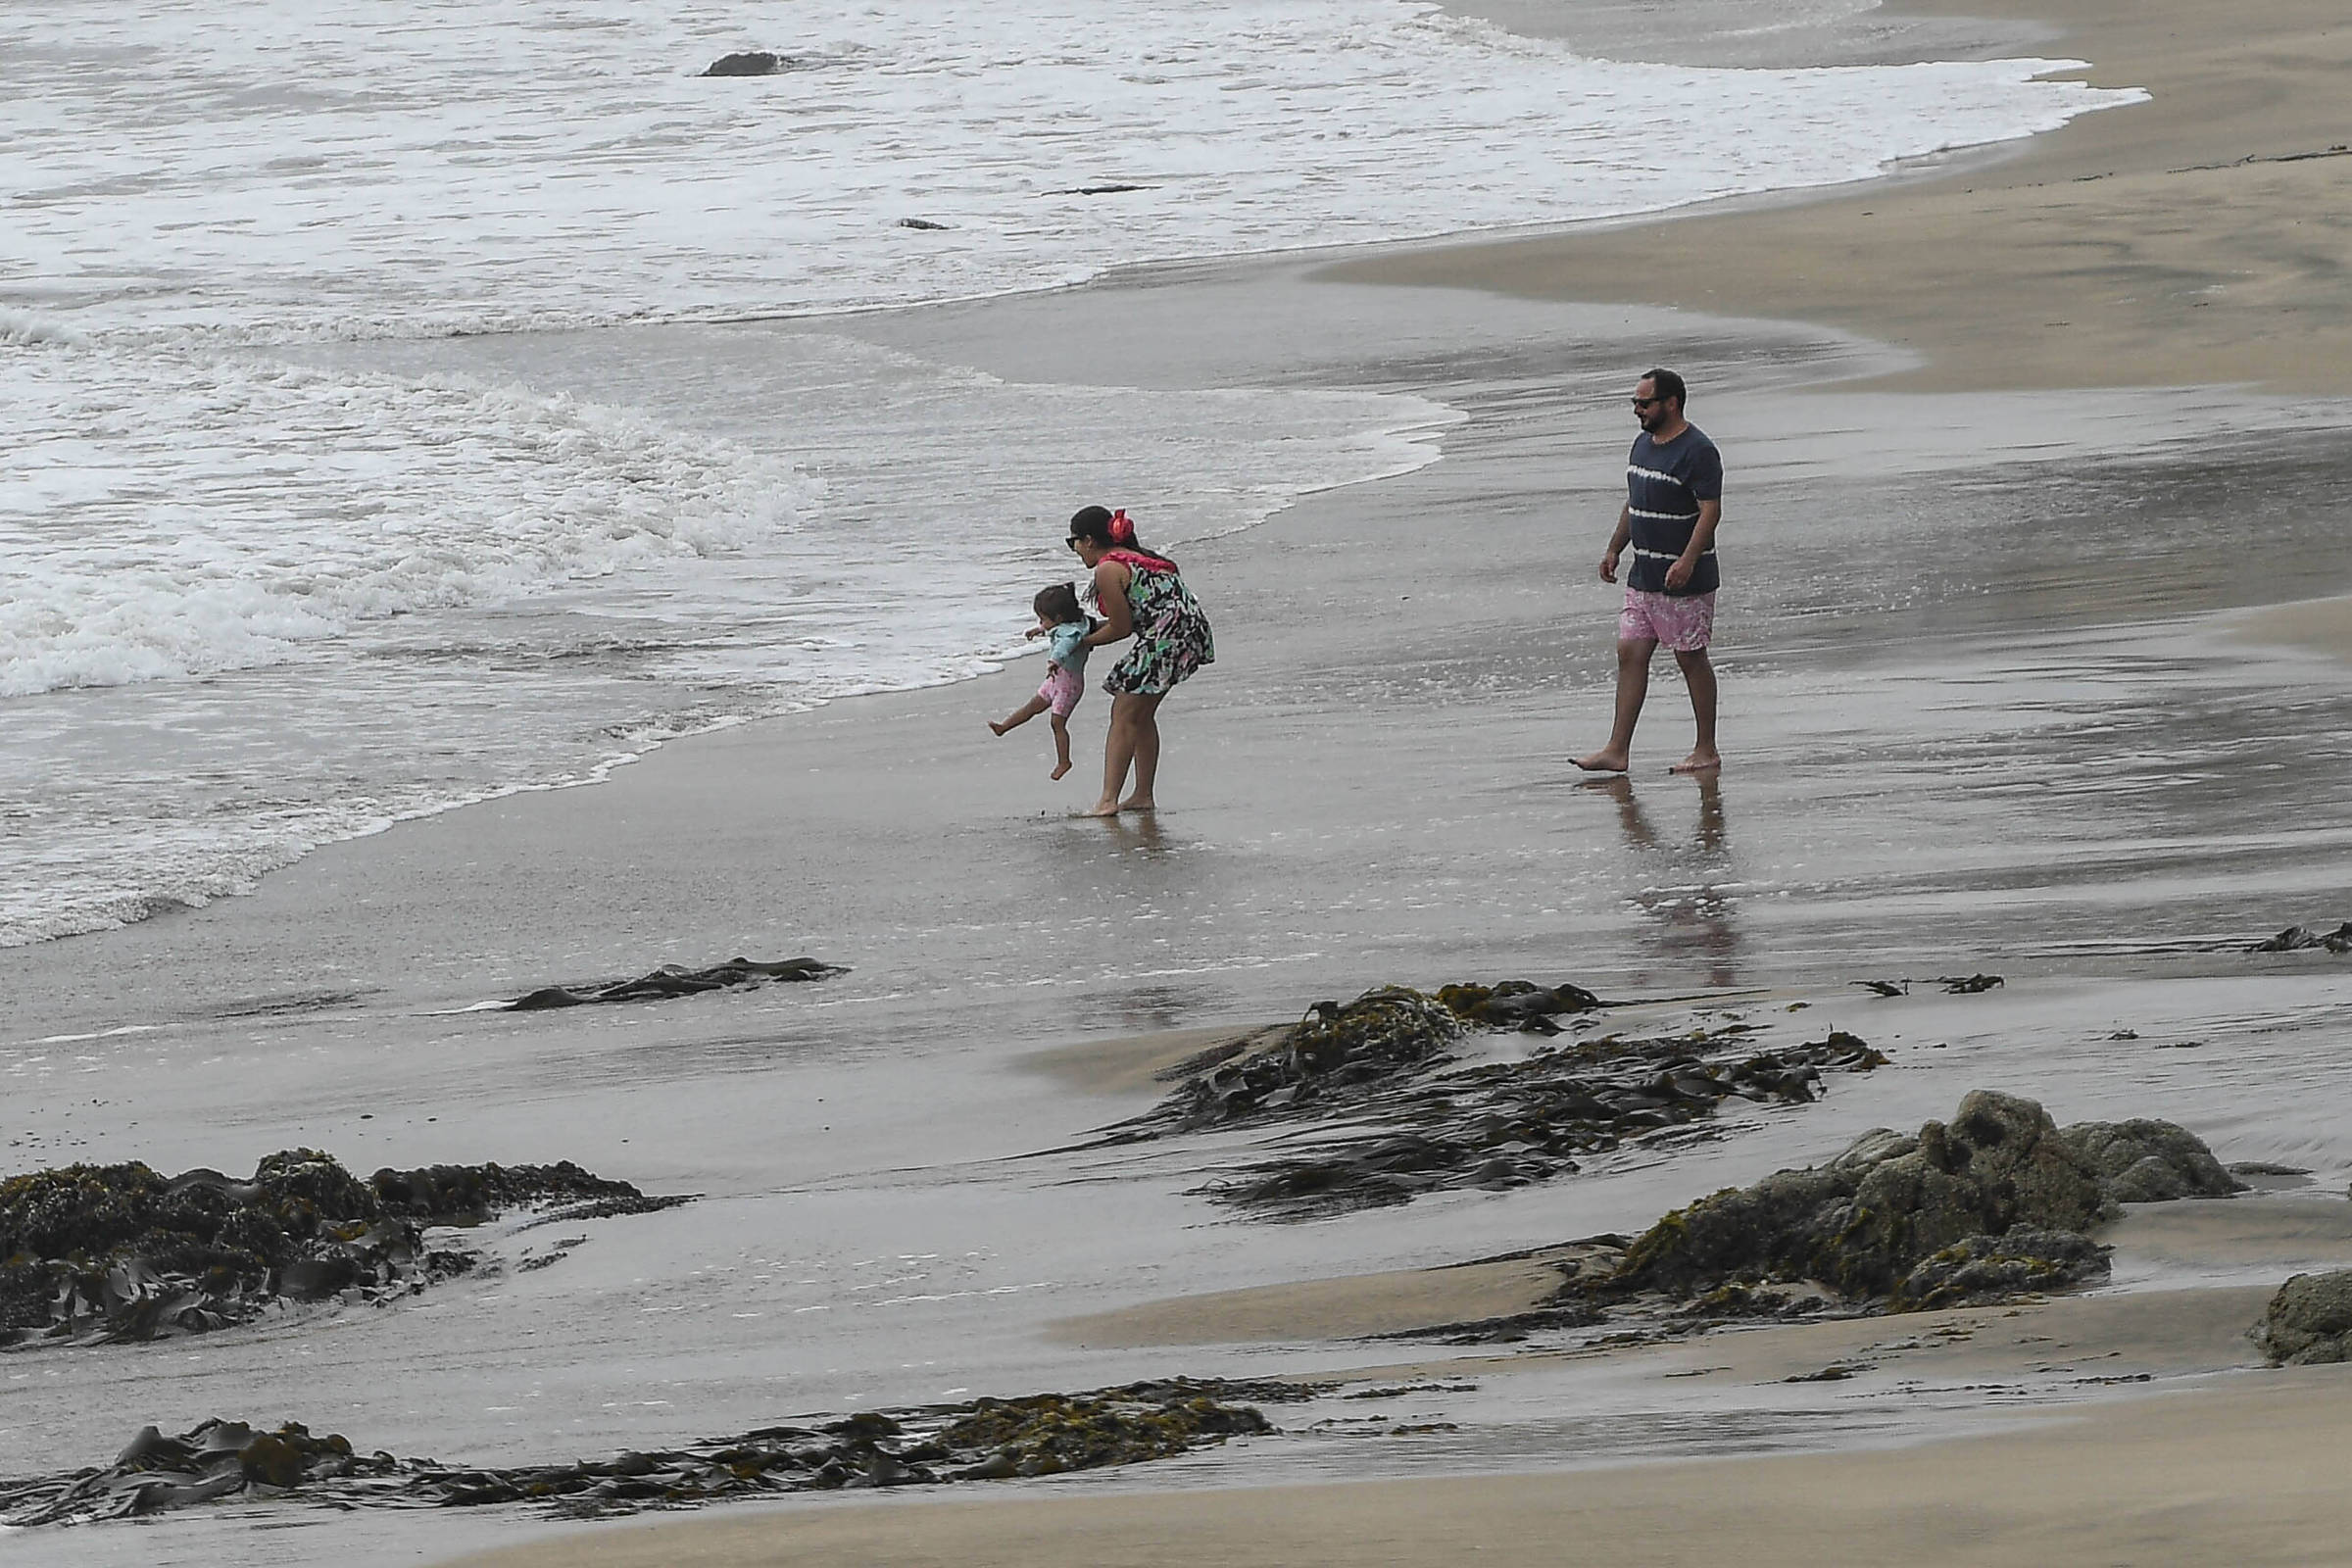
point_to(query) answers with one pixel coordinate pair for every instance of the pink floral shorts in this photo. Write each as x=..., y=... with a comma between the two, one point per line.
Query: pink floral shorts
x=1061, y=691
x=1682, y=624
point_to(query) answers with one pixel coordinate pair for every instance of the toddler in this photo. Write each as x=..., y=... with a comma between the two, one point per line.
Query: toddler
x=1065, y=626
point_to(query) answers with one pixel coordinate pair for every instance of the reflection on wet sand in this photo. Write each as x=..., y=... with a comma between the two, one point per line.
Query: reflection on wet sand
x=1136, y=832
x=1680, y=882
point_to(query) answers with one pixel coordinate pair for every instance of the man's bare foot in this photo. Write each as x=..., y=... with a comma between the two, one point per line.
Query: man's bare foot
x=1000, y=728
x=1698, y=762
x=1605, y=762
x=1102, y=809
x=1060, y=769
x=1136, y=803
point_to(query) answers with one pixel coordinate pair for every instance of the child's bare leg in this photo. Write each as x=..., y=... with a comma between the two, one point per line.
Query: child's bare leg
x=1023, y=715
x=1061, y=747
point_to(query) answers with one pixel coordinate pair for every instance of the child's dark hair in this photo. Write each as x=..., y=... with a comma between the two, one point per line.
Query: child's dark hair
x=1058, y=605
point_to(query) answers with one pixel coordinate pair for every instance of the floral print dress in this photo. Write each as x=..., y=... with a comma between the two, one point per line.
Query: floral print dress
x=1172, y=638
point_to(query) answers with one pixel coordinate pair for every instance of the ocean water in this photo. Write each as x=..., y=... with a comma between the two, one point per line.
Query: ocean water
x=269, y=579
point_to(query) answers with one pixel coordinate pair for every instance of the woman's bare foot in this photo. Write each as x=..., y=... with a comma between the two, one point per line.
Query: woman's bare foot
x=1060, y=769
x=1698, y=762
x=1135, y=804
x=1605, y=761
x=1102, y=809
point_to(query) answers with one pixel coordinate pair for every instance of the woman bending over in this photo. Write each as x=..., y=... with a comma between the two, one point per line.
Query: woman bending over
x=1139, y=594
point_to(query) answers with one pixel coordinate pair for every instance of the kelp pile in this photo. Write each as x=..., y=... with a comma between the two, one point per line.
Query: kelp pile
x=1995, y=1204
x=982, y=1440
x=1512, y=1123
x=94, y=1254
x=1337, y=1057
x=1420, y=1122
x=1954, y=985
x=2302, y=939
x=672, y=980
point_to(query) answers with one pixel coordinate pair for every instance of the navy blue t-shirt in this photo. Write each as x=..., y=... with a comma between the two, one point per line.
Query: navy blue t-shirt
x=1664, y=483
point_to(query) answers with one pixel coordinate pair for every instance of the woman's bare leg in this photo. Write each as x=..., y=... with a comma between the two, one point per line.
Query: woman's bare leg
x=1118, y=754
x=1146, y=755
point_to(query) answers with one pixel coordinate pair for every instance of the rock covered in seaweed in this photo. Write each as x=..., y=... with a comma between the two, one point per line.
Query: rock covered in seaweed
x=1047, y=1434
x=746, y=62
x=102, y=1253
x=2142, y=1162
x=466, y=1195
x=1517, y=1004
x=1999, y=1268
x=1995, y=1203
x=1329, y=1057
x=2309, y=1321
x=982, y=1440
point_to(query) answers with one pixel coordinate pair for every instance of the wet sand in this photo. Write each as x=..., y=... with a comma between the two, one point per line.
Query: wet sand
x=2224, y=1465
x=2226, y=1478
x=2192, y=239
x=2003, y=719
x=2317, y=625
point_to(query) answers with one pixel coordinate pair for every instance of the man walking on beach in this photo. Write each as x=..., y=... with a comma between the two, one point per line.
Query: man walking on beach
x=1674, y=499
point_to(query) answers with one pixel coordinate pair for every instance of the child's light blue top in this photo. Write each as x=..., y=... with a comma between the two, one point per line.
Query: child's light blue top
x=1065, y=645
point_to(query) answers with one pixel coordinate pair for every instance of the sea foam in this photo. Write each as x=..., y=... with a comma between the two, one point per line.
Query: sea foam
x=174, y=511
x=274, y=169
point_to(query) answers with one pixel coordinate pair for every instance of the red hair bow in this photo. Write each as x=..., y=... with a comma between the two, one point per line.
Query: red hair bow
x=1122, y=528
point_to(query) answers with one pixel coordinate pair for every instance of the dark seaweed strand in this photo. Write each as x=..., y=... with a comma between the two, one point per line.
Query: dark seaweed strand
x=979, y=1440
x=1336, y=1056
x=1510, y=1124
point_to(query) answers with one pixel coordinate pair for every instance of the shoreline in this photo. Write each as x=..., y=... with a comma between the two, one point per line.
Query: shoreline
x=2235, y=290
x=1458, y=259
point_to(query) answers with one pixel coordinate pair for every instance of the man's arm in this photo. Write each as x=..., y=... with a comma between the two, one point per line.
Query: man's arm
x=1702, y=540
x=1617, y=543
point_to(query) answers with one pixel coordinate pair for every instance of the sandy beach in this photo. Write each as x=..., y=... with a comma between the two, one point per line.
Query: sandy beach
x=2191, y=239
x=2228, y=1478
x=2031, y=660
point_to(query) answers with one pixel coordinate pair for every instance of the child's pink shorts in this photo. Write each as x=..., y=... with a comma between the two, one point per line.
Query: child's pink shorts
x=1683, y=623
x=1061, y=691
